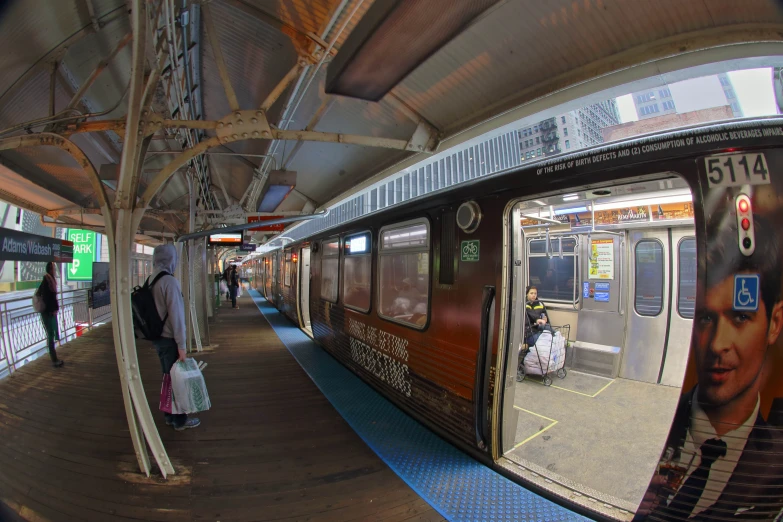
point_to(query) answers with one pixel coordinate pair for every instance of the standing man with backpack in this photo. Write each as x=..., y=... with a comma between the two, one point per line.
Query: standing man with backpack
x=172, y=344
x=226, y=274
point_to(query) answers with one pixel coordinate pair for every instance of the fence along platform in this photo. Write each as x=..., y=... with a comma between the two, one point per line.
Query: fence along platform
x=272, y=447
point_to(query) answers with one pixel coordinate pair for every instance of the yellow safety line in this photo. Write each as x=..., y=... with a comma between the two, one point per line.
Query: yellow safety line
x=536, y=434
x=534, y=413
x=576, y=392
x=605, y=387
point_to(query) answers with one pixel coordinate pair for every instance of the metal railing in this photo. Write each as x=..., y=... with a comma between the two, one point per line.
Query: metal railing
x=23, y=337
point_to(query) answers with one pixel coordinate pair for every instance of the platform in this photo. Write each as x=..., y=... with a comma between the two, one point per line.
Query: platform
x=271, y=448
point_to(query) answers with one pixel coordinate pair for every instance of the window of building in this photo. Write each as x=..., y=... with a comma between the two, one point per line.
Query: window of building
x=648, y=282
x=562, y=118
x=724, y=81
x=668, y=105
x=535, y=128
x=568, y=145
x=330, y=269
x=404, y=269
x=357, y=271
x=538, y=152
x=686, y=278
x=730, y=94
x=538, y=139
x=665, y=93
x=553, y=277
x=287, y=269
x=735, y=107
x=578, y=132
x=565, y=131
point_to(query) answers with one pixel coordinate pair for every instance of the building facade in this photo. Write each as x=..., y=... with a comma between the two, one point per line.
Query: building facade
x=665, y=122
x=687, y=96
x=568, y=132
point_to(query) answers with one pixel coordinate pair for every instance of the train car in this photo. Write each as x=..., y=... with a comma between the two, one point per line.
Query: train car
x=653, y=334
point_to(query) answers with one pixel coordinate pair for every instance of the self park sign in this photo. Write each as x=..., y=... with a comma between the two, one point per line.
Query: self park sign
x=83, y=255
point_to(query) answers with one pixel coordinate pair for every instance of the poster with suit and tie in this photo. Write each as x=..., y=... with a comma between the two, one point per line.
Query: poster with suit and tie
x=723, y=459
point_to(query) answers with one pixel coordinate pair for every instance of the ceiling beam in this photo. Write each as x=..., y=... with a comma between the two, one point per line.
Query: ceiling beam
x=214, y=42
x=86, y=84
x=301, y=41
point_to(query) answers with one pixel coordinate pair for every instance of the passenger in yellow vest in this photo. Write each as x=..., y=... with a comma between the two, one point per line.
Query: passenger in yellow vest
x=537, y=318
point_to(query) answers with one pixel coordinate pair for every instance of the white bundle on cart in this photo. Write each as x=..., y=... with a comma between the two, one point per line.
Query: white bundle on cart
x=547, y=355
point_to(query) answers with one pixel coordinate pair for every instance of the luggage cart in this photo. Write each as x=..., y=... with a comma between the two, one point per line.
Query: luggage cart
x=561, y=372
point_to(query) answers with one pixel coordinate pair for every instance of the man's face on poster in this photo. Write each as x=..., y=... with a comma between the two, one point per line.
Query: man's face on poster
x=731, y=346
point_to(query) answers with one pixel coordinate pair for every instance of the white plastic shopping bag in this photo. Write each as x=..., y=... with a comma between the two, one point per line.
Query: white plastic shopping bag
x=188, y=388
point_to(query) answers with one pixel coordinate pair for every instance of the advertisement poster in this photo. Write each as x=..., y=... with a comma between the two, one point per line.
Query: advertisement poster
x=602, y=262
x=101, y=292
x=722, y=458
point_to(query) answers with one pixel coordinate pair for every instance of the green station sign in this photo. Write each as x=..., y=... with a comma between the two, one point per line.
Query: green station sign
x=469, y=250
x=84, y=242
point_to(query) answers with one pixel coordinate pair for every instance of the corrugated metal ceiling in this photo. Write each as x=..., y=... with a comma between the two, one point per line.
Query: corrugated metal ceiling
x=501, y=61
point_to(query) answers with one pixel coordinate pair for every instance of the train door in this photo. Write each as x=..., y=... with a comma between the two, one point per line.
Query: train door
x=275, y=294
x=304, y=289
x=657, y=334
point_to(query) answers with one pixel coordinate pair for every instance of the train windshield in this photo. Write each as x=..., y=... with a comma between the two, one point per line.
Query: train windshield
x=600, y=326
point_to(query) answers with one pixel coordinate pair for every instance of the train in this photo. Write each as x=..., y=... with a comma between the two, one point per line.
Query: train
x=425, y=301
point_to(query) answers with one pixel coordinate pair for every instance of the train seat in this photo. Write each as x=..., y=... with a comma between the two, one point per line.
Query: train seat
x=598, y=359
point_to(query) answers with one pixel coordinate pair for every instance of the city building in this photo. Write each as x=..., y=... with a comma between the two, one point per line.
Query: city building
x=568, y=132
x=687, y=96
x=665, y=122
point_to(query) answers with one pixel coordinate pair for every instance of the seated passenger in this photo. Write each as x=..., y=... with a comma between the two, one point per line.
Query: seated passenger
x=537, y=318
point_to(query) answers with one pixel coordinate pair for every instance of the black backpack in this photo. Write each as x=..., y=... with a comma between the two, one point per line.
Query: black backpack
x=146, y=320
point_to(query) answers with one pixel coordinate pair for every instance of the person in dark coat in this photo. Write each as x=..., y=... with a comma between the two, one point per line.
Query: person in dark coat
x=48, y=292
x=537, y=319
x=233, y=285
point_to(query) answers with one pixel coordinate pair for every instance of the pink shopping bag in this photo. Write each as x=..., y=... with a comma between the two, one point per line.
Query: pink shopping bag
x=165, y=394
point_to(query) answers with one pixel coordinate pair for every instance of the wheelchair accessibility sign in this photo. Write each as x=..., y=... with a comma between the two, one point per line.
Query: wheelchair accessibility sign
x=746, y=292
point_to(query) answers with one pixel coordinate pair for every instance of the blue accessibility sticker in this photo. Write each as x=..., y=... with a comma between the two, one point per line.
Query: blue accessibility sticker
x=585, y=289
x=602, y=287
x=746, y=292
x=602, y=297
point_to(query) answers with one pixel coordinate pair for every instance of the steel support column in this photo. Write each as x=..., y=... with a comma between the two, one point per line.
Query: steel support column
x=122, y=244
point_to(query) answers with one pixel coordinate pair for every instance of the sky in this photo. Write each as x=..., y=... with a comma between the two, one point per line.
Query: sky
x=753, y=87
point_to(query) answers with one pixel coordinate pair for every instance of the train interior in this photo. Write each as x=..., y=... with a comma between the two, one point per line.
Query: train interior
x=598, y=376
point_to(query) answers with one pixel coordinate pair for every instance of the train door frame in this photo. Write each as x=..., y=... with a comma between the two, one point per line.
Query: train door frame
x=303, y=295
x=680, y=327
x=646, y=335
x=672, y=356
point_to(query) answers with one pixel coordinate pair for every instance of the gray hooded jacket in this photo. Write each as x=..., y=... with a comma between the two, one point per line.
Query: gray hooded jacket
x=168, y=294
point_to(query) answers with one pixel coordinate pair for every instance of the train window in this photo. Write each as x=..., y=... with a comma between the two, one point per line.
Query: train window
x=330, y=269
x=404, y=270
x=356, y=274
x=287, y=267
x=648, y=280
x=553, y=277
x=686, y=278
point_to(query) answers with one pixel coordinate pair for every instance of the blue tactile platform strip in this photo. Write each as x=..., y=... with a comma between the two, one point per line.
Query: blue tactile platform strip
x=457, y=486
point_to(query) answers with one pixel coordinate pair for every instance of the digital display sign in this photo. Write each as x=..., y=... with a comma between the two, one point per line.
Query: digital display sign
x=225, y=239
x=357, y=244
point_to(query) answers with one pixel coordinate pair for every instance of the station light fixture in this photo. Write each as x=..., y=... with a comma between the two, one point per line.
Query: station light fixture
x=392, y=39
x=570, y=197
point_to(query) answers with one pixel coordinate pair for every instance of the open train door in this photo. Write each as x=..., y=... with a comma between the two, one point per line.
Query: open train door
x=304, y=290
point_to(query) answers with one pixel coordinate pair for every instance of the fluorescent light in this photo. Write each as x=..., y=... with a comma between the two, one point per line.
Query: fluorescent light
x=573, y=210
x=539, y=202
x=661, y=200
x=570, y=197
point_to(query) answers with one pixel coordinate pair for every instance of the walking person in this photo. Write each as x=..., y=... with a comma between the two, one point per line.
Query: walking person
x=48, y=292
x=233, y=285
x=171, y=346
x=226, y=274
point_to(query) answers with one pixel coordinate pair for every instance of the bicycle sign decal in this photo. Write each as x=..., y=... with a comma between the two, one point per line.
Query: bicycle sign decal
x=746, y=292
x=469, y=250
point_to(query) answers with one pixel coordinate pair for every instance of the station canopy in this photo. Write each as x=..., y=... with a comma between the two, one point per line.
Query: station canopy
x=249, y=79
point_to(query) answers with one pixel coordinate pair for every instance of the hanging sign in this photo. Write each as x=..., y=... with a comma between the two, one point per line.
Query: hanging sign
x=279, y=227
x=80, y=269
x=18, y=246
x=602, y=259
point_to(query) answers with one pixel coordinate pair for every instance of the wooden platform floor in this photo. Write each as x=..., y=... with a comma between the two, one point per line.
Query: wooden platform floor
x=271, y=447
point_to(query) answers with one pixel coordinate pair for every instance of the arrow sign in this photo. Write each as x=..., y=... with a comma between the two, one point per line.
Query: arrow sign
x=83, y=254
